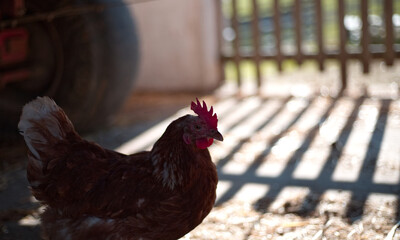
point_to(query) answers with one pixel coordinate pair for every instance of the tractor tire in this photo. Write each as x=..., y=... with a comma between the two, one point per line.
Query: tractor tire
x=86, y=62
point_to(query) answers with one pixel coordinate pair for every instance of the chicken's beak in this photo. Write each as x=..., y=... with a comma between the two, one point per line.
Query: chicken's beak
x=216, y=135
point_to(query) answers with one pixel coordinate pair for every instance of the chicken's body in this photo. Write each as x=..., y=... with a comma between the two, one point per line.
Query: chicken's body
x=94, y=193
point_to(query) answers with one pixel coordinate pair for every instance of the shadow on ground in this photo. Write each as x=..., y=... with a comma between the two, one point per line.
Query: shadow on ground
x=308, y=159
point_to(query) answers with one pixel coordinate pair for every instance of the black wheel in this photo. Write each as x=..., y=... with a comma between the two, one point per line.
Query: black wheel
x=86, y=62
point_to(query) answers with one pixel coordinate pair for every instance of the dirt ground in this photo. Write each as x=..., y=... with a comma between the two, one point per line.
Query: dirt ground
x=290, y=167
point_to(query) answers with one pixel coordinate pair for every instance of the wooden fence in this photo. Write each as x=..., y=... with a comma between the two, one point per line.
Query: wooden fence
x=365, y=53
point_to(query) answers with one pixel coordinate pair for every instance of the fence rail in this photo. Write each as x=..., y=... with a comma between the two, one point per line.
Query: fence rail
x=365, y=50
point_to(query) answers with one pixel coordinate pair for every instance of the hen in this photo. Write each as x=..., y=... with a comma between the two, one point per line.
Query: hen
x=93, y=193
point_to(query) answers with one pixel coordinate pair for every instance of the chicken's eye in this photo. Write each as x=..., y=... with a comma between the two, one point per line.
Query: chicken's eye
x=197, y=127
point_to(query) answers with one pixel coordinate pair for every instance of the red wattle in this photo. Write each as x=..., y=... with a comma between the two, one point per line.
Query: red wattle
x=204, y=143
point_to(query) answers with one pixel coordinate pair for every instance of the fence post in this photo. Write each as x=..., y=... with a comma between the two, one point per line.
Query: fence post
x=277, y=28
x=343, y=41
x=256, y=41
x=389, y=54
x=365, y=40
x=298, y=25
x=320, y=39
x=236, y=43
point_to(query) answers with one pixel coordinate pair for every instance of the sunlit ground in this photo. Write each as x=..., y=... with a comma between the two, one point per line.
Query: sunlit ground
x=299, y=162
x=309, y=167
x=291, y=168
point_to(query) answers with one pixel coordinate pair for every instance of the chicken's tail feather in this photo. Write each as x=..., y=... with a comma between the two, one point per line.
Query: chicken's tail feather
x=43, y=124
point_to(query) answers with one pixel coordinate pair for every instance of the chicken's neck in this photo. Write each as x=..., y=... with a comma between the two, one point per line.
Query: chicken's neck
x=174, y=161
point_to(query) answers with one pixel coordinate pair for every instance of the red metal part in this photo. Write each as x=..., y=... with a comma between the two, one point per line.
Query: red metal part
x=13, y=46
x=13, y=76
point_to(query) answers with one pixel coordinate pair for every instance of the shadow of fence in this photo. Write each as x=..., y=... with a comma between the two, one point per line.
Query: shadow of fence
x=360, y=186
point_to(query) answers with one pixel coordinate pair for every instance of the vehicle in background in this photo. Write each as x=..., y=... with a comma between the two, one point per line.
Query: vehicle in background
x=84, y=54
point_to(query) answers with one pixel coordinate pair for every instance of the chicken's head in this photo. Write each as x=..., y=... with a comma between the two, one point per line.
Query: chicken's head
x=202, y=129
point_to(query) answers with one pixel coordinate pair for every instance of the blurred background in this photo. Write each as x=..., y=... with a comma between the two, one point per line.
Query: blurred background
x=307, y=93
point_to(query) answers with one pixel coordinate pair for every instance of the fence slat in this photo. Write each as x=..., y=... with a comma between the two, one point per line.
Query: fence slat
x=236, y=43
x=320, y=40
x=388, y=8
x=365, y=39
x=298, y=26
x=218, y=16
x=256, y=41
x=328, y=55
x=277, y=29
x=343, y=41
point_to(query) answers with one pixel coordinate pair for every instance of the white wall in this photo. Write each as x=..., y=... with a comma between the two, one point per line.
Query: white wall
x=178, y=45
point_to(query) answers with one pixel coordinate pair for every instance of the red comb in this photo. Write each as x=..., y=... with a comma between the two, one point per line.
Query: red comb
x=208, y=116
